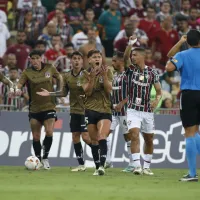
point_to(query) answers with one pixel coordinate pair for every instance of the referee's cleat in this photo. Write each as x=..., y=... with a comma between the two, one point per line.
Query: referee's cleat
x=138, y=171
x=80, y=168
x=186, y=175
x=108, y=165
x=188, y=178
x=45, y=163
x=96, y=173
x=101, y=171
x=128, y=169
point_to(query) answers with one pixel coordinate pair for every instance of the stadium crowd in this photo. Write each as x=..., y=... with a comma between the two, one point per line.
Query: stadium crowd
x=59, y=27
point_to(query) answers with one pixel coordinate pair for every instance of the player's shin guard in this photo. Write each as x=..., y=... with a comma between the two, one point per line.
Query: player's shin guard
x=79, y=153
x=147, y=161
x=47, y=146
x=37, y=149
x=191, y=153
x=103, y=151
x=109, y=142
x=197, y=140
x=95, y=154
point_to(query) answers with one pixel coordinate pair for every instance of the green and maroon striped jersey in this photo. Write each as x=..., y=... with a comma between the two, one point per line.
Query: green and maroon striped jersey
x=140, y=84
x=120, y=91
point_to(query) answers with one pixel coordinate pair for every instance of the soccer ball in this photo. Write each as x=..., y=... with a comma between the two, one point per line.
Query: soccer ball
x=32, y=163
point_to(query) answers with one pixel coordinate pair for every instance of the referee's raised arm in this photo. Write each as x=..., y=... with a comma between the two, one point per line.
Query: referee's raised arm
x=187, y=63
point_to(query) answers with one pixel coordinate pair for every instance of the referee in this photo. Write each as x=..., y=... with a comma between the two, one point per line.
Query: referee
x=188, y=64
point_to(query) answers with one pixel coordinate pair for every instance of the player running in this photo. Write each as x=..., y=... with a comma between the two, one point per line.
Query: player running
x=41, y=109
x=97, y=84
x=119, y=100
x=140, y=115
x=71, y=83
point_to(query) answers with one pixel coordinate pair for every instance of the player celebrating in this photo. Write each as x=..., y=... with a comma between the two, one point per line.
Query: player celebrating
x=119, y=100
x=97, y=85
x=41, y=109
x=140, y=113
x=71, y=83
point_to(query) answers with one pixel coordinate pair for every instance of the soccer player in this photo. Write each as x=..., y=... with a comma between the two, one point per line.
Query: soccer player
x=140, y=117
x=72, y=84
x=41, y=109
x=97, y=84
x=119, y=100
x=187, y=62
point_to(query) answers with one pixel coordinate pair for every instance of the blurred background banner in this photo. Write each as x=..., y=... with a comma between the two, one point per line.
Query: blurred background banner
x=16, y=140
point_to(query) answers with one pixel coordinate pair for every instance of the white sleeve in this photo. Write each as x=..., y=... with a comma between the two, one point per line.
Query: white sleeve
x=74, y=41
x=98, y=40
x=3, y=17
x=7, y=33
x=119, y=36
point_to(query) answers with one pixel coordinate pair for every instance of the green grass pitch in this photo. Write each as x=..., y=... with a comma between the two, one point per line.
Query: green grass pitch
x=60, y=183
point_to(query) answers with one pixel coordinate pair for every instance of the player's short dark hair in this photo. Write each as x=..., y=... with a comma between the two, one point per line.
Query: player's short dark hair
x=21, y=31
x=69, y=45
x=93, y=51
x=90, y=10
x=193, y=37
x=119, y=54
x=139, y=49
x=77, y=53
x=38, y=42
x=35, y=52
x=13, y=69
x=151, y=7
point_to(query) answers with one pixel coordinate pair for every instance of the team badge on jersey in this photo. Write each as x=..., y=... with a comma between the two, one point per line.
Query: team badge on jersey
x=47, y=74
x=100, y=79
x=78, y=83
x=138, y=101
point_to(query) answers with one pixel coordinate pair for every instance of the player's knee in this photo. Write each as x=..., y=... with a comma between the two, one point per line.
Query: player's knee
x=86, y=138
x=148, y=139
x=36, y=137
x=49, y=133
x=127, y=137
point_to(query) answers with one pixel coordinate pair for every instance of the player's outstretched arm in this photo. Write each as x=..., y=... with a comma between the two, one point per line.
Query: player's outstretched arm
x=127, y=61
x=176, y=48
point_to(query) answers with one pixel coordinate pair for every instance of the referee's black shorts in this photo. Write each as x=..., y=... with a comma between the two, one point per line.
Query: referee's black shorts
x=93, y=117
x=190, y=107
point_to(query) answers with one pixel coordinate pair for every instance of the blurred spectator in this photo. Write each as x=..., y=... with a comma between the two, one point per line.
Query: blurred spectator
x=26, y=3
x=92, y=44
x=164, y=39
x=39, y=13
x=81, y=38
x=149, y=25
x=3, y=17
x=165, y=11
x=138, y=10
x=89, y=16
x=167, y=103
x=109, y=25
x=11, y=62
x=56, y=51
x=48, y=32
x=183, y=28
x=18, y=101
x=64, y=29
x=121, y=43
x=194, y=15
x=60, y=6
x=196, y=4
x=69, y=48
x=4, y=36
x=3, y=5
x=185, y=8
x=21, y=50
x=125, y=6
x=74, y=15
x=97, y=6
x=32, y=28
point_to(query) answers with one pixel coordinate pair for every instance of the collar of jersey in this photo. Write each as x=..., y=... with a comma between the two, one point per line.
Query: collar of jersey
x=77, y=74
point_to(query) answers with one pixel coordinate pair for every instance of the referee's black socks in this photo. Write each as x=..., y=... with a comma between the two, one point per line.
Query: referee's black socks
x=37, y=149
x=47, y=146
x=79, y=153
x=95, y=154
x=103, y=151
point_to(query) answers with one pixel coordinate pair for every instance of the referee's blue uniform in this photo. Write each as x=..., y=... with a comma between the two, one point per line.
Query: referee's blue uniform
x=188, y=63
